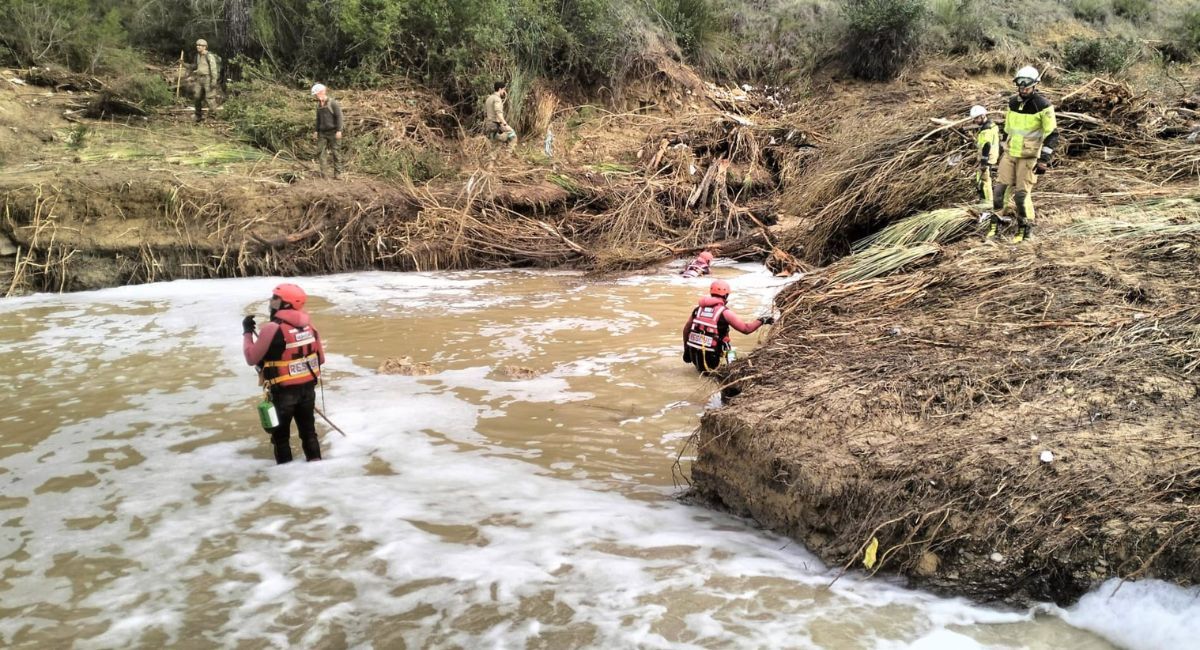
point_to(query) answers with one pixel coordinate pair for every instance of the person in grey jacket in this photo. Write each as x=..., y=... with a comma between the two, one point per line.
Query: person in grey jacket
x=328, y=130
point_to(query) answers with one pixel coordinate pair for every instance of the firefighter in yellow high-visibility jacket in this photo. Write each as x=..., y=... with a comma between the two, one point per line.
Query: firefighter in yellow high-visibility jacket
x=1030, y=137
x=987, y=144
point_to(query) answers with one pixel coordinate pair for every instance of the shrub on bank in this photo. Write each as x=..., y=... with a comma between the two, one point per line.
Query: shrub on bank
x=882, y=36
x=146, y=90
x=1100, y=54
x=959, y=26
x=1091, y=11
x=76, y=33
x=268, y=119
x=1185, y=35
x=698, y=27
x=1135, y=11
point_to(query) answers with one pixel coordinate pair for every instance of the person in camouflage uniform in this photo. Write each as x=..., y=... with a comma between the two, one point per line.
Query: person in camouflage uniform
x=495, y=126
x=206, y=75
x=329, y=129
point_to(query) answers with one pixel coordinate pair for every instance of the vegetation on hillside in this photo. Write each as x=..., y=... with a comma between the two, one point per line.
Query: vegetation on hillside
x=459, y=47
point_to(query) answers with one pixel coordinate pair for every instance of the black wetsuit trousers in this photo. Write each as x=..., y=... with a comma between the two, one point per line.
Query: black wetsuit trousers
x=295, y=403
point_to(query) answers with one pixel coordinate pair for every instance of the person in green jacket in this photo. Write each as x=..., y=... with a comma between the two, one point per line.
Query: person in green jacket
x=987, y=143
x=1031, y=135
x=206, y=75
x=329, y=129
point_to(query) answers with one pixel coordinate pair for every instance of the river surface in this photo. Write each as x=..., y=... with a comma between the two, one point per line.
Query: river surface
x=520, y=496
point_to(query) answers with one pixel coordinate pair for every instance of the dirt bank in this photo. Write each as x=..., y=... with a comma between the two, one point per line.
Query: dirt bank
x=1009, y=423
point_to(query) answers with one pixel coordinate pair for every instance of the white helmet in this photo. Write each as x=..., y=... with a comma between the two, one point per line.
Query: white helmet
x=317, y=88
x=1029, y=75
x=978, y=111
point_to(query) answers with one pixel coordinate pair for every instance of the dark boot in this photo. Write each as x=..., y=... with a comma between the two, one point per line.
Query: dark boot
x=312, y=448
x=1024, y=232
x=283, y=452
x=993, y=224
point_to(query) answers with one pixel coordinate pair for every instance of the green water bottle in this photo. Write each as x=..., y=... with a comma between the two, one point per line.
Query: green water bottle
x=730, y=355
x=267, y=415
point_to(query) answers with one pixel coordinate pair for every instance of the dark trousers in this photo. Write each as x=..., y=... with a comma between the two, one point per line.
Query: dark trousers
x=295, y=403
x=327, y=142
x=705, y=361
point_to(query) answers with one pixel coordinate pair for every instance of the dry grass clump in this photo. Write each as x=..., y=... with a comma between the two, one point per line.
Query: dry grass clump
x=870, y=181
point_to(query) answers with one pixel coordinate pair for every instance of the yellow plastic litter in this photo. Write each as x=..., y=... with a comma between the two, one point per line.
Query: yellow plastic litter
x=869, y=556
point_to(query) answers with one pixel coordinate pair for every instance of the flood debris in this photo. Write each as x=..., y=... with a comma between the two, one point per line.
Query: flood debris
x=949, y=435
x=405, y=366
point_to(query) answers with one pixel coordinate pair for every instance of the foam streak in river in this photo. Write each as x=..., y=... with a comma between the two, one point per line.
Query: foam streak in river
x=160, y=519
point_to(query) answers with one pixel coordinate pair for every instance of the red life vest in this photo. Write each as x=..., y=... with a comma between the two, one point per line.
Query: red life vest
x=694, y=269
x=299, y=364
x=707, y=331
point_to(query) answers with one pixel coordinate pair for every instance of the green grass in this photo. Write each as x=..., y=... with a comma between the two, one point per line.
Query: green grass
x=880, y=260
x=937, y=226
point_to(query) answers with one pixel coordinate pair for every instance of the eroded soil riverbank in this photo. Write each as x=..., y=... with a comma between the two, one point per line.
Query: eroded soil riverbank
x=1009, y=423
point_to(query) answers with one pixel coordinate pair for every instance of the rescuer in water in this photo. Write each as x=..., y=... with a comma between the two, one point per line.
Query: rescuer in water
x=289, y=356
x=699, y=266
x=706, y=334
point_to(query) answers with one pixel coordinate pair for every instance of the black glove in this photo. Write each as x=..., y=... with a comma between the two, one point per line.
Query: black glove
x=248, y=325
x=767, y=320
x=1040, y=168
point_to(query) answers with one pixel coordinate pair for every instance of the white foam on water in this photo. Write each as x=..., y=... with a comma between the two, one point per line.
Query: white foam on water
x=1142, y=615
x=414, y=516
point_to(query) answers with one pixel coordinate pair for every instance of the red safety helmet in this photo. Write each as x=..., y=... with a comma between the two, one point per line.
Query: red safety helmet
x=719, y=288
x=706, y=256
x=291, y=294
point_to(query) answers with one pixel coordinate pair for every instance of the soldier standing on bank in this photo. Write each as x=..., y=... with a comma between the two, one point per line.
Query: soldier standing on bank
x=329, y=129
x=206, y=73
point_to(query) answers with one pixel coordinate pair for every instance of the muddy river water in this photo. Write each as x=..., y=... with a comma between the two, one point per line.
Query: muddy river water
x=520, y=496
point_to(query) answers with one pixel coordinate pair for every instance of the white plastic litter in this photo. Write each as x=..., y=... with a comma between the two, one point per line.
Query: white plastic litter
x=1047, y=457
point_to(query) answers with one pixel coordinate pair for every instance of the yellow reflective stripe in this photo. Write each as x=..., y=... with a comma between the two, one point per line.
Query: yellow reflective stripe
x=283, y=364
x=282, y=378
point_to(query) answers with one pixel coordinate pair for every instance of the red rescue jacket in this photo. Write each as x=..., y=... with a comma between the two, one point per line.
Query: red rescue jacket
x=288, y=350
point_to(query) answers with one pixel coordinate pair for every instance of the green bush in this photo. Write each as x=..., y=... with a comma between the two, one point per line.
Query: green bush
x=77, y=33
x=371, y=156
x=697, y=26
x=148, y=90
x=268, y=119
x=960, y=26
x=1092, y=11
x=777, y=41
x=1100, y=54
x=1135, y=11
x=1185, y=36
x=881, y=37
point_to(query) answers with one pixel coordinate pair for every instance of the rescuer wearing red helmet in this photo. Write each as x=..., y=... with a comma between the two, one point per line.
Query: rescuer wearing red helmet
x=706, y=334
x=289, y=356
x=699, y=266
